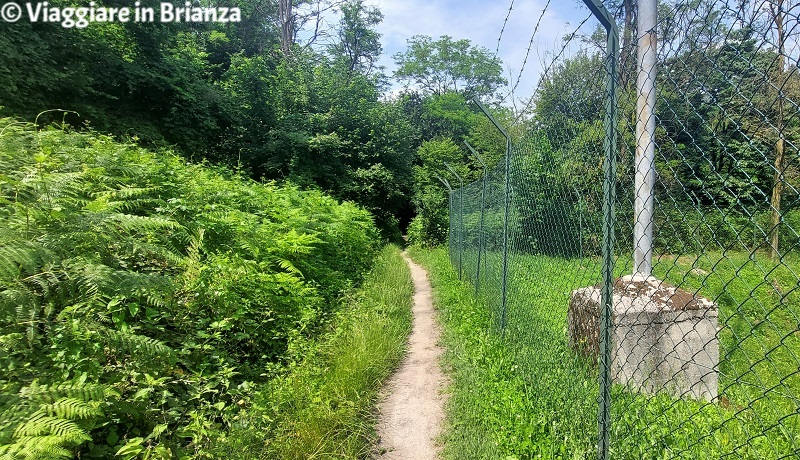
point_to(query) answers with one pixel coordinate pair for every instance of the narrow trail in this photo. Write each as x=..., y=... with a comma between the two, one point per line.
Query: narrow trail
x=411, y=415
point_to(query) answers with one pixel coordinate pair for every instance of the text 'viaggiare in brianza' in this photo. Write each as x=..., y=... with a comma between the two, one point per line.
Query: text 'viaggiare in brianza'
x=82, y=16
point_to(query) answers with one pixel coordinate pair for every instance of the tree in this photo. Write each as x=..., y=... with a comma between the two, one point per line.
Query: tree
x=570, y=97
x=358, y=45
x=287, y=23
x=436, y=67
x=302, y=15
x=430, y=196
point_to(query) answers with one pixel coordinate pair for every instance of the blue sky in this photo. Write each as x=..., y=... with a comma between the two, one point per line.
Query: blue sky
x=480, y=22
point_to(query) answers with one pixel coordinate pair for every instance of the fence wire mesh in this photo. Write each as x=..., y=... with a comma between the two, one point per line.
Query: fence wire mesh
x=705, y=339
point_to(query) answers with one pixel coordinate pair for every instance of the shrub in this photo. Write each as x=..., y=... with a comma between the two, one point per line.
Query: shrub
x=148, y=295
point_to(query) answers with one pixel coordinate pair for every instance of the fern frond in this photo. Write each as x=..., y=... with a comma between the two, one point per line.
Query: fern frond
x=139, y=345
x=289, y=267
x=12, y=342
x=13, y=411
x=74, y=390
x=71, y=409
x=126, y=192
x=55, y=188
x=162, y=250
x=46, y=281
x=131, y=205
x=71, y=284
x=28, y=316
x=153, y=288
x=16, y=298
x=35, y=448
x=41, y=424
x=134, y=344
x=18, y=258
x=132, y=223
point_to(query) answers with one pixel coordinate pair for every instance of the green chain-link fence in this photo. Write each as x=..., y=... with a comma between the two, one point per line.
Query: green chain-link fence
x=698, y=355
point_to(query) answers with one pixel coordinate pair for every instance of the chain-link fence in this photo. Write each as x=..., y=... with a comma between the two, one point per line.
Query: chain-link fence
x=643, y=233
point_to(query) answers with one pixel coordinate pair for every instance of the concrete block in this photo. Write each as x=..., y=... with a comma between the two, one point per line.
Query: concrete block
x=663, y=337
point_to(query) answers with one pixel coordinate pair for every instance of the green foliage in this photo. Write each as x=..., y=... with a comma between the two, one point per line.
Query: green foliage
x=323, y=405
x=720, y=159
x=431, y=196
x=50, y=421
x=358, y=45
x=715, y=141
x=142, y=297
x=443, y=65
x=125, y=78
x=219, y=92
x=318, y=124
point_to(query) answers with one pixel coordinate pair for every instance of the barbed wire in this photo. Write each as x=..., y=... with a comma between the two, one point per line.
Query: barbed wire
x=530, y=45
x=502, y=29
x=556, y=58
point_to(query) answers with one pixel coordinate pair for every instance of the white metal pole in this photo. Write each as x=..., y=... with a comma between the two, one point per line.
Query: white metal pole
x=645, y=139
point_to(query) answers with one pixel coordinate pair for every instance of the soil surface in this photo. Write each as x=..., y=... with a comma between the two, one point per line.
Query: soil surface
x=411, y=414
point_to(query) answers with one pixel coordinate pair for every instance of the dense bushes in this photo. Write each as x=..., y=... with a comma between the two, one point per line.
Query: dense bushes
x=224, y=92
x=323, y=406
x=141, y=298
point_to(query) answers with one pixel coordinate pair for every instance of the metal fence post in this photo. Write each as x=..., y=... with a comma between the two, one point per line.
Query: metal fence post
x=507, y=210
x=645, y=139
x=609, y=197
x=450, y=212
x=480, y=225
x=460, y=220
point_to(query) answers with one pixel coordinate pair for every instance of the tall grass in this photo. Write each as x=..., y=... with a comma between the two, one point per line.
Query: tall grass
x=324, y=405
x=488, y=411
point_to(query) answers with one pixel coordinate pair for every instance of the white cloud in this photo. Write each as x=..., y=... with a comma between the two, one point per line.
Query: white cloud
x=481, y=22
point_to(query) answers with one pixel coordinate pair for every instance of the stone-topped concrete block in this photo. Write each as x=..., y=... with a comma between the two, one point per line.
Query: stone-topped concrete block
x=663, y=339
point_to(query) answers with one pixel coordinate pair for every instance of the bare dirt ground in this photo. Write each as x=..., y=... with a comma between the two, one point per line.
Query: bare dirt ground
x=411, y=415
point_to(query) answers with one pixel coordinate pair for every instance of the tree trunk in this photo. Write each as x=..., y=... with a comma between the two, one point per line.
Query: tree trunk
x=777, y=187
x=286, y=17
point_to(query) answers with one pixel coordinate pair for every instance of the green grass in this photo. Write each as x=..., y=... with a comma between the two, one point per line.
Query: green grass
x=491, y=411
x=546, y=406
x=324, y=405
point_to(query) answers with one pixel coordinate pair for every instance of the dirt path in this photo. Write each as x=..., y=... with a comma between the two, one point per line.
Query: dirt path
x=411, y=415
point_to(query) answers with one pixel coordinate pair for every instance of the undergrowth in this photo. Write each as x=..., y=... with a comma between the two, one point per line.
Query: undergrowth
x=323, y=405
x=488, y=411
x=143, y=300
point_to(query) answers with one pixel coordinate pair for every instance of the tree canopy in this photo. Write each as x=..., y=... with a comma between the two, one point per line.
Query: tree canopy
x=438, y=66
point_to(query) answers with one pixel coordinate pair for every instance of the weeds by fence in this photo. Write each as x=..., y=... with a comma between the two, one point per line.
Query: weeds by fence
x=679, y=377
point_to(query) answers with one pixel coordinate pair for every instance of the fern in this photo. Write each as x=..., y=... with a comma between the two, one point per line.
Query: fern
x=40, y=424
x=18, y=258
x=110, y=256
x=42, y=421
x=36, y=448
x=133, y=223
x=11, y=342
x=135, y=345
x=73, y=390
x=71, y=409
